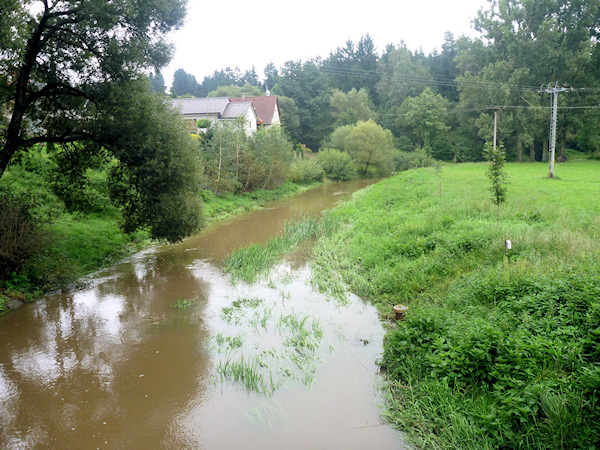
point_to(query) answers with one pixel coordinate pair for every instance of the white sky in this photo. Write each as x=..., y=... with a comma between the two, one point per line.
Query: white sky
x=239, y=33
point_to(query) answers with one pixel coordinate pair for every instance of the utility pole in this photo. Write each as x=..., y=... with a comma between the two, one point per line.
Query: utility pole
x=554, y=92
x=495, y=109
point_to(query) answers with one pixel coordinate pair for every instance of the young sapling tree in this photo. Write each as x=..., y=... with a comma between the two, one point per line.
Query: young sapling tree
x=497, y=174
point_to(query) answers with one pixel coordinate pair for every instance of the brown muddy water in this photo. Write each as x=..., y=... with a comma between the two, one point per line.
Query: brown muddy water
x=163, y=351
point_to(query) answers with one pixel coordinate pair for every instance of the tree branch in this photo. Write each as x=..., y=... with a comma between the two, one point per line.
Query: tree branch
x=54, y=89
x=64, y=139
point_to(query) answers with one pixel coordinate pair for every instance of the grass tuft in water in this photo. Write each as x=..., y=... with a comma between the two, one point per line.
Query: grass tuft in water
x=249, y=263
x=235, y=314
x=243, y=372
x=183, y=304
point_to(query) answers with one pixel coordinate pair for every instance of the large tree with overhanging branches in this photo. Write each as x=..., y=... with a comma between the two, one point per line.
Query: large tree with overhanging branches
x=72, y=72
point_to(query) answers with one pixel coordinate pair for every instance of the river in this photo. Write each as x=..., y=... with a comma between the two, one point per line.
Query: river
x=162, y=351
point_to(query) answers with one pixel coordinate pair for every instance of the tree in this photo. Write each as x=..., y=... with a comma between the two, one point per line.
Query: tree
x=271, y=76
x=368, y=145
x=496, y=174
x=427, y=115
x=353, y=66
x=246, y=90
x=225, y=77
x=74, y=72
x=59, y=59
x=290, y=118
x=184, y=84
x=351, y=107
x=443, y=68
x=158, y=83
x=338, y=165
x=309, y=89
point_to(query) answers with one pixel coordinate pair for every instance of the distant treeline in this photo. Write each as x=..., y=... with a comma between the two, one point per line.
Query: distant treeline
x=439, y=101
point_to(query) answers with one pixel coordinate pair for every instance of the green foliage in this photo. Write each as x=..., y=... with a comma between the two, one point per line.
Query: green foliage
x=246, y=90
x=527, y=355
x=184, y=84
x=80, y=179
x=409, y=160
x=370, y=145
x=272, y=153
x=249, y=263
x=21, y=235
x=234, y=161
x=84, y=89
x=495, y=352
x=64, y=57
x=203, y=123
x=338, y=166
x=349, y=108
x=183, y=304
x=156, y=177
x=496, y=172
x=426, y=114
x=309, y=89
x=306, y=171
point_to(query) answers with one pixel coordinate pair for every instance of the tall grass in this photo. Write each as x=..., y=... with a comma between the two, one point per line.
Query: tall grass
x=498, y=350
x=249, y=263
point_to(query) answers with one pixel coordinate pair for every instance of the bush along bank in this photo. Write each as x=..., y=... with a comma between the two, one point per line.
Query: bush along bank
x=500, y=348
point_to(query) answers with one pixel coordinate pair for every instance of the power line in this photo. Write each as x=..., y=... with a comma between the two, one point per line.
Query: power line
x=405, y=78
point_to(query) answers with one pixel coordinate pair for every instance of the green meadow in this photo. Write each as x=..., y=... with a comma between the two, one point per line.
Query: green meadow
x=500, y=348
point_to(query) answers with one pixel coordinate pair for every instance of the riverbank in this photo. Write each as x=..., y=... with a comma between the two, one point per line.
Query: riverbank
x=500, y=348
x=77, y=244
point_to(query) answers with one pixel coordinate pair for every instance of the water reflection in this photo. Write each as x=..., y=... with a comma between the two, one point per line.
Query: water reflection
x=117, y=365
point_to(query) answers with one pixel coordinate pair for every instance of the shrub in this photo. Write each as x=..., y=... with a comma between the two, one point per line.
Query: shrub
x=306, y=170
x=20, y=235
x=203, y=123
x=409, y=160
x=338, y=166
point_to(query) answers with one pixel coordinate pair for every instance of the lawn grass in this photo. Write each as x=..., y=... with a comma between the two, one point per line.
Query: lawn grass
x=497, y=350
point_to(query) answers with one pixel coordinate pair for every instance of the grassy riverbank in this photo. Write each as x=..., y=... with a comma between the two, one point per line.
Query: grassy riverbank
x=497, y=351
x=68, y=246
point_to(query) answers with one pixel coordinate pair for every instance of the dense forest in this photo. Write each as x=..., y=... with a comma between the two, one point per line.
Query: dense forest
x=439, y=102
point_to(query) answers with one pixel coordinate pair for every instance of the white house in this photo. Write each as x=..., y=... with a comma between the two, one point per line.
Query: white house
x=256, y=111
x=217, y=110
x=267, y=109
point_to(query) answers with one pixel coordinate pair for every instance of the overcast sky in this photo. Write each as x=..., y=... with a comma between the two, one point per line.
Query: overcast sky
x=239, y=33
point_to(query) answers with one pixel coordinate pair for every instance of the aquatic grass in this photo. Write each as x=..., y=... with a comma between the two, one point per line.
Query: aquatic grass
x=287, y=349
x=249, y=263
x=234, y=314
x=265, y=415
x=243, y=372
x=260, y=319
x=222, y=343
x=182, y=304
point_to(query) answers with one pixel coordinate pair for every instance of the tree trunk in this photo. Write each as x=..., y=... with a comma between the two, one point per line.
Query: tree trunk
x=545, y=151
x=519, y=148
x=532, y=151
x=563, y=143
x=14, y=138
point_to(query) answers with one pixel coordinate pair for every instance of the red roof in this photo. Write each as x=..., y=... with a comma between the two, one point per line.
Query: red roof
x=265, y=106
